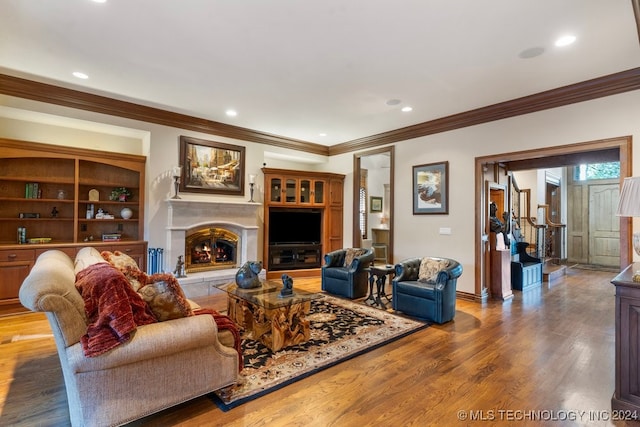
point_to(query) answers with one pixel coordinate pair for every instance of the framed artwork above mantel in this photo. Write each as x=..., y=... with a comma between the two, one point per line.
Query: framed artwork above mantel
x=211, y=167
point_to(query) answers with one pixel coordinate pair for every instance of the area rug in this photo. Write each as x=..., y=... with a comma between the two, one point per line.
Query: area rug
x=340, y=330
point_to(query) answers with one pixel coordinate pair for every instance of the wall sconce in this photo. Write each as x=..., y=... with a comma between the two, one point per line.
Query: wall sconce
x=252, y=182
x=177, y=173
x=629, y=206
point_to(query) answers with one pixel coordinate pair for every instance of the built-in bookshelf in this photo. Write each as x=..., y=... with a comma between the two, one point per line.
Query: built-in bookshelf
x=55, y=193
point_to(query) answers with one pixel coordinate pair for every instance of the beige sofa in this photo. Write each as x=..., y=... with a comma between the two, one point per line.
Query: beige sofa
x=163, y=364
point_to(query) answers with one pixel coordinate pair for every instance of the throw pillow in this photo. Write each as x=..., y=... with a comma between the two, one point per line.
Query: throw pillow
x=126, y=265
x=86, y=257
x=165, y=297
x=351, y=254
x=430, y=267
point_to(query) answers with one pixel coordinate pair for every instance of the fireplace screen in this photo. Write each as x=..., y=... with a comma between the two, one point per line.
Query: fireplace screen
x=210, y=249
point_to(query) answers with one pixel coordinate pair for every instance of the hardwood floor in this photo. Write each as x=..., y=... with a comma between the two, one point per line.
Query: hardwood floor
x=548, y=350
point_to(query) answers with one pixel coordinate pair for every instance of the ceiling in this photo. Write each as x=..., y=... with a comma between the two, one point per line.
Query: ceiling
x=300, y=69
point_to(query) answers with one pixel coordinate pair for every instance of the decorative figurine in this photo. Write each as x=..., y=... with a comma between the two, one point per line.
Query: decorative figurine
x=287, y=286
x=179, y=271
x=496, y=226
x=54, y=212
x=247, y=275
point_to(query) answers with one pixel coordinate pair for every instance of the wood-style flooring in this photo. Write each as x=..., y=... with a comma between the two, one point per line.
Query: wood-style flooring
x=544, y=358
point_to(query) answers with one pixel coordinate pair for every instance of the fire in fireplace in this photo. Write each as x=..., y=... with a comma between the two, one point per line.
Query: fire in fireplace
x=210, y=249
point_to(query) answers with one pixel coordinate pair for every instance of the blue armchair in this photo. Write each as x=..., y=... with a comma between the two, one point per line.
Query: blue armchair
x=350, y=280
x=433, y=300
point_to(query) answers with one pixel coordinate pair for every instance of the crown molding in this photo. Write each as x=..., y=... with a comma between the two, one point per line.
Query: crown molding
x=612, y=84
x=43, y=92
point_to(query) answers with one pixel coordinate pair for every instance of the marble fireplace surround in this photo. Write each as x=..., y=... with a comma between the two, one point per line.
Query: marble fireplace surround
x=188, y=213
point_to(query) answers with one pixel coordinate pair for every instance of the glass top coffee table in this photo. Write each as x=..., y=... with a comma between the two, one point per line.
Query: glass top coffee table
x=267, y=316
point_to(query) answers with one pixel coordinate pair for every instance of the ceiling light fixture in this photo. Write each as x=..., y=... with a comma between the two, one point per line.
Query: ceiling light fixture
x=406, y=109
x=322, y=134
x=99, y=1
x=232, y=113
x=80, y=75
x=565, y=40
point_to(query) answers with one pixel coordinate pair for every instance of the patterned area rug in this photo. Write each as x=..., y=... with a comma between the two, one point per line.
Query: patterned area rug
x=340, y=330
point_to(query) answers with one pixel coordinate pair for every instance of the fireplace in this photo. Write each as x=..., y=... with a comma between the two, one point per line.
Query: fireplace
x=228, y=229
x=210, y=248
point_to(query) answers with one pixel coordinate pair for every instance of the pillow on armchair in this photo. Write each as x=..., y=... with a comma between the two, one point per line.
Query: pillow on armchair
x=351, y=254
x=430, y=267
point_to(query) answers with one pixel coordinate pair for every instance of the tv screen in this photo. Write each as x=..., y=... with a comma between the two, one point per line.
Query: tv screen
x=294, y=226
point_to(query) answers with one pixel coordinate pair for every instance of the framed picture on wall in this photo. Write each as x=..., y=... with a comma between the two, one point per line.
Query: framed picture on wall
x=431, y=188
x=375, y=204
x=211, y=167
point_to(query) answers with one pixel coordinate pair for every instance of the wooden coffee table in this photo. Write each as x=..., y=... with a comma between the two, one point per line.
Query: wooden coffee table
x=275, y=321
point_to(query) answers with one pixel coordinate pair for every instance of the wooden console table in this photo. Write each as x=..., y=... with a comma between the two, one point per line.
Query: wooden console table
x=626, y=395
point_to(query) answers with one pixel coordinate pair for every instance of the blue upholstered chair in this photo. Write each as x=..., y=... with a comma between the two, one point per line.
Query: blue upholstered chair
x=350, y=280
x=433, y=300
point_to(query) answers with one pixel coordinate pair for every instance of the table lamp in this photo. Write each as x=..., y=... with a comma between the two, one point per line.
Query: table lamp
x=629, y=206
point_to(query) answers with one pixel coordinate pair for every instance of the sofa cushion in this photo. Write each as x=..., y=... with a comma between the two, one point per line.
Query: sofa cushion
x=165, y=297
x=417, y=289
x=351, y=254
x=430, y=267
x=341, y=273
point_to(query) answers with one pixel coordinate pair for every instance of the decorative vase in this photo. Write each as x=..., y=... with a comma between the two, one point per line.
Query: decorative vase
x=126, y=213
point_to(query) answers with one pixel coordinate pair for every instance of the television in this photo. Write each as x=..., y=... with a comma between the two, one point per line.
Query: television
x=295, y=226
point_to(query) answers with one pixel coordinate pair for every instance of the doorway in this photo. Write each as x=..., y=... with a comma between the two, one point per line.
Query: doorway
x=614, y=149
x=373, y=173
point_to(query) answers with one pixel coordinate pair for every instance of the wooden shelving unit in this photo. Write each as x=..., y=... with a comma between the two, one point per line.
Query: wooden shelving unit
x=45, y=189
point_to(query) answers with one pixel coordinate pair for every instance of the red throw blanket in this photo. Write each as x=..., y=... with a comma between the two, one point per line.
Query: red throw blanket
x=225, y=322
x=113, y=308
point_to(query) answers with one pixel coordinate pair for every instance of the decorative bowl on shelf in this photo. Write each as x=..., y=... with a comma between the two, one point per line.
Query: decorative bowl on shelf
x=126, y=213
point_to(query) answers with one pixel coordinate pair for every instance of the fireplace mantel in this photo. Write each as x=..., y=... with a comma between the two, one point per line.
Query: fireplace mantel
x=209, y=203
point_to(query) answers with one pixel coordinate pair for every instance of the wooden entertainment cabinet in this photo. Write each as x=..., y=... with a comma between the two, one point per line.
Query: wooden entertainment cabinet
x=303, y=190
x=45, y=189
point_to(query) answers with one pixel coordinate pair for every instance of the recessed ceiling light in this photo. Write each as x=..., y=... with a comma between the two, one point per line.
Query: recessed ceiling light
x=406, y=109
x=322, y=134
x=80, y=75
x=393, y=102
x=99, y=1
x=231, y=113
x=565, y=40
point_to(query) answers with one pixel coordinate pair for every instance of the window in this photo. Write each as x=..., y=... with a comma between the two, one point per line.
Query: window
x=589, y=171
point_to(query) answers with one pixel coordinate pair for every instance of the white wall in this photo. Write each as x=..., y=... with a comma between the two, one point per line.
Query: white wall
x=415, y=235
